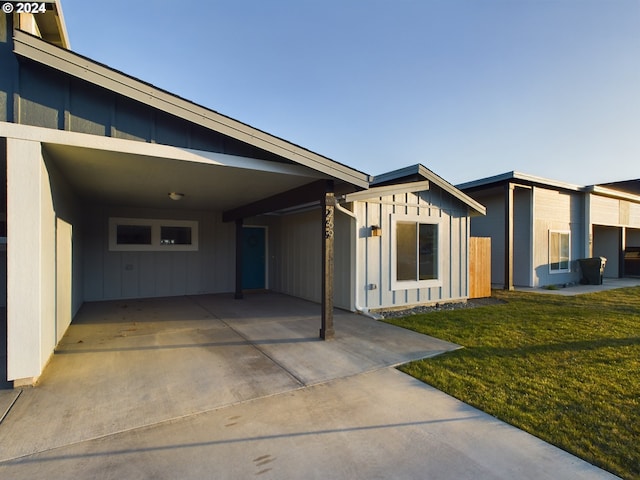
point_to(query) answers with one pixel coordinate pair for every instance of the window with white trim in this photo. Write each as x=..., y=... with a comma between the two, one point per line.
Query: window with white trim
x=416, y=253
x=559, y=251
x=137, y=234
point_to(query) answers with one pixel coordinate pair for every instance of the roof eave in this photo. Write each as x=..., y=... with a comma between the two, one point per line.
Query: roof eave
x=35, y=49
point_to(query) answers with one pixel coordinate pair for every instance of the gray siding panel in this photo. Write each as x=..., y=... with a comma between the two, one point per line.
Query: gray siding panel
x=42, y=98
x=114, y=275
x=522, y=237
x=54, y=100
x=376, y=256
x=133, y=121
x=89, y=113
x=492, y=225
x=295, y=248
x=557, y=211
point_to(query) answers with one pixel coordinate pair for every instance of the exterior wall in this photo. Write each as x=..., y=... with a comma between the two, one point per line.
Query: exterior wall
x=374, y=288
x=51, y=99
x=614, y=212
x=607, y=243
x=67, y=209
x=522, y=237
x=9, y=69
x=117, y=274
x=492, y=225
x=633, y=238
x=30, y=262
x=295, y=256
x=559, y=211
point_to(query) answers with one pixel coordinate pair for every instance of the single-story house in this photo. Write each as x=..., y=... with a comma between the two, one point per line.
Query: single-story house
x=117, y=189
x=540, y=228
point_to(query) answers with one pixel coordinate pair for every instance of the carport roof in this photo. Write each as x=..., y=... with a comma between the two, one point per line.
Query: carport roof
x=122, y=172
x=35, y=49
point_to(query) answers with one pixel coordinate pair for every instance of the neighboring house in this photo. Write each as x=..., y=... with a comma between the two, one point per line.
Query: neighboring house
x=116, y=189
x=539, y=228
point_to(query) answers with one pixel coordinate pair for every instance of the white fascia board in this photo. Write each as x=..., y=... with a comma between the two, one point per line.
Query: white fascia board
x=610, y=192
x=523, y=177
x=455, y=192
x=376, y=192
x=75, y=65
x=94, y=142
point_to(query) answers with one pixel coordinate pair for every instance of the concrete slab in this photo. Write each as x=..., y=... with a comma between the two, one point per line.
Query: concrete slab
x=211, y=387
x=127, y=364
x=382, y=424
x=7, y=399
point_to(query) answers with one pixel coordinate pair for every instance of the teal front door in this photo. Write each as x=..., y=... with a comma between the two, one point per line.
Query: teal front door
x=253, y=257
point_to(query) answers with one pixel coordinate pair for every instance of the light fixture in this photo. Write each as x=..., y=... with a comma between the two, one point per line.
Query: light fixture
x=176, y=196
x=376, y=231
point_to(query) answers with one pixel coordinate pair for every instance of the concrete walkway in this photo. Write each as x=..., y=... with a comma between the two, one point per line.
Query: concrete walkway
x=607, y=284
x=210, y=387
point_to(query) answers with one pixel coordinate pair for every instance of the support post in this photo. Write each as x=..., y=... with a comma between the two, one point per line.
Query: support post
x=238, y=293
x=328, y=213
x=508, y=237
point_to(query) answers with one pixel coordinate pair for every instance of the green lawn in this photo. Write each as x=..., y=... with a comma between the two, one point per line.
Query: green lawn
x=566, y=369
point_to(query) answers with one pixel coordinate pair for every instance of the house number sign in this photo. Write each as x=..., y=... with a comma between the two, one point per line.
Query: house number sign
x=329, y=212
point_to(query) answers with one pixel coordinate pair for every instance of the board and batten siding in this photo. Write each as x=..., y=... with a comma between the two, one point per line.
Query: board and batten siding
x=138, y=274
x=375, y=256
x=556, y=211
x=51, y=99
x=614, y=212
x=295, y=256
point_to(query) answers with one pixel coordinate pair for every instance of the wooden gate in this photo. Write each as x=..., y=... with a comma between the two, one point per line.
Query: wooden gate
x=479, y=267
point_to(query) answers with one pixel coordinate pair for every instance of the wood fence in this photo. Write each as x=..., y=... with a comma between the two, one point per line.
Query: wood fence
x=479, y=267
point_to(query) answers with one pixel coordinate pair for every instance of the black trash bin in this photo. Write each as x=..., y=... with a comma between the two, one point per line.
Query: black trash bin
x=592, y=270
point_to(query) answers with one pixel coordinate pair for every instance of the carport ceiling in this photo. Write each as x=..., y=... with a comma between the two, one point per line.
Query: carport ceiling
x=210, y=181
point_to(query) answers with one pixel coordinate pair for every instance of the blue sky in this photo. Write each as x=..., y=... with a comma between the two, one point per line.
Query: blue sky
x=468, y=88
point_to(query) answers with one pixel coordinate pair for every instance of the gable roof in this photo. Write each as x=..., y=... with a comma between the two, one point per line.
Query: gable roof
x=418, y=172
x=35, y=49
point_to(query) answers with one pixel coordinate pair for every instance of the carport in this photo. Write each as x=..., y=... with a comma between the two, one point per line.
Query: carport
x=69, y=193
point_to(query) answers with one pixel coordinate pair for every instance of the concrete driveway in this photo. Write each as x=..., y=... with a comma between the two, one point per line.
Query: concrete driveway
x=211, y=387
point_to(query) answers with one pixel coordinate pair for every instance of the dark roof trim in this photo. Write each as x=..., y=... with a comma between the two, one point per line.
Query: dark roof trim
x=531, y=180
x=517, y=177
x=35, y=49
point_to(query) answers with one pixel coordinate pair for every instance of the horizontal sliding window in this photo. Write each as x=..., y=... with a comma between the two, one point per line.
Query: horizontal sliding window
x=415, y=252
x=135, y=234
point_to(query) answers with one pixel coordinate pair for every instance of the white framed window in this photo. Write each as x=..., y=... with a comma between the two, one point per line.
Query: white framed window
x=559, y=251
x=152, y=235
x=416, y=252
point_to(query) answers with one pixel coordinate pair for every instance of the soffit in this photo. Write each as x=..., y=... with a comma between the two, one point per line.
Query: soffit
x=136, y=180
